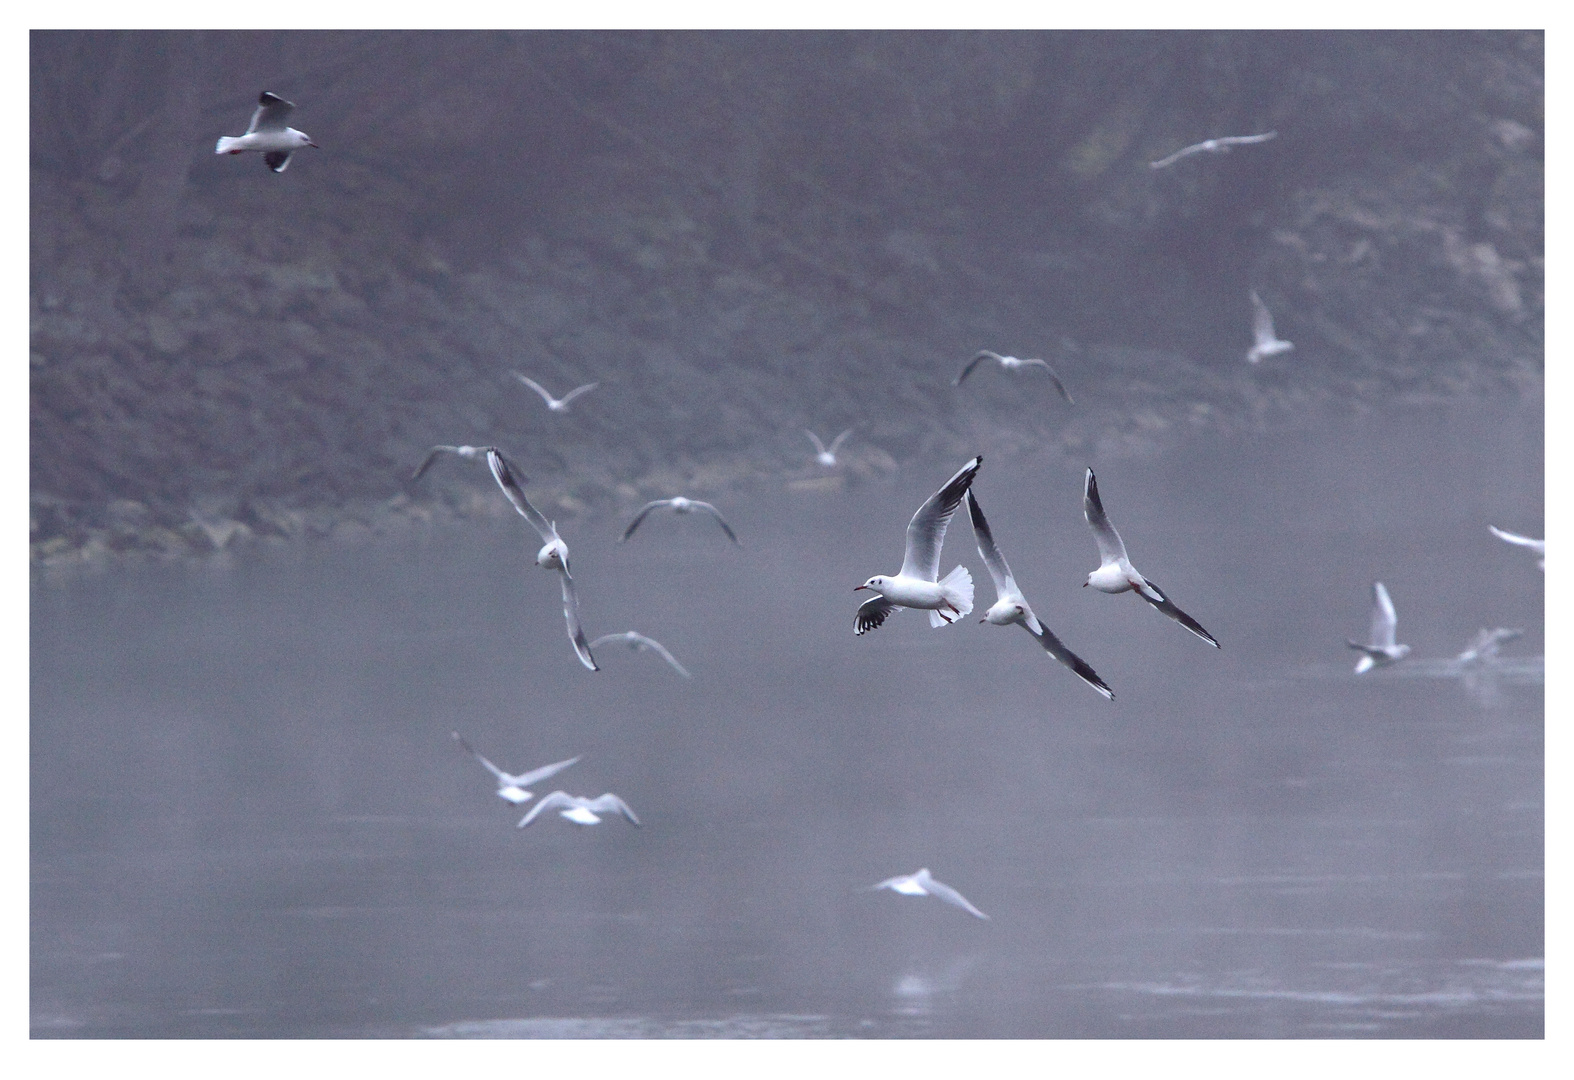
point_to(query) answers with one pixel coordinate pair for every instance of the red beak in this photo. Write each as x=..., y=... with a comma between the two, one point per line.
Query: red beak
x=857, y=587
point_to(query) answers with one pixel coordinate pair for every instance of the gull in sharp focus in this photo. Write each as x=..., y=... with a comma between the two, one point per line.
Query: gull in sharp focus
x=923, y=883
x=1264, y=342
x=509, y=786
x=553, y=554
x=580, y=810
x=1012, y=607
x=914, y=586
x=1538, y=546
x=556, y=404
x=1484, y=649
x=1011, y=363
x=467, y=452
x=1212, y=146
x=821, y=454
x=268, y=134
x=638, y=642
x=1381, y=650
x=1116, y=574
x=679, y=505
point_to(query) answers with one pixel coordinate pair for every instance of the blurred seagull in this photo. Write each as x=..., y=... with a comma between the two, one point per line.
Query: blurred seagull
x=1381, y=651
x=512, y=787
x=468, y=452
x=556, y=404
x=822, y=455
x=1212, y=146
x=1011, y=363
x=1264, y=342
x=268, y=134
x=1538, y=546
x=921, y=884
x=1116, y=574
x=1485, y=647
x=578, y=809
x=914, y=586
x=553, y=554
x=679, y=505
x=1011, y=607
x=638, y=642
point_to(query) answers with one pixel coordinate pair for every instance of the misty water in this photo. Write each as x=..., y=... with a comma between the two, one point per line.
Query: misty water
x=249, y=817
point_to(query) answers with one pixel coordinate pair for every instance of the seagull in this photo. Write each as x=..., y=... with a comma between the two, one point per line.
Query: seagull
x=914, y=585
x=1382, y=651
x=556, y=404
x=919, y=884
x=680, y=505
x=822, y=455
x=1212, y=146
x=1011, y=607
x=1484, y=648
x=467, y=452
x=553, y=554
x=268, y=134
x=1264, y=342
x=512, y=787
x=1116, y=574
x=1538, y=546
x=1011, y=363
x=640, y=643
x=578, y=809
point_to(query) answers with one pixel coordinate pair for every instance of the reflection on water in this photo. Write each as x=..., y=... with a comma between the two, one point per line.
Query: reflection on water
x=1246, y=843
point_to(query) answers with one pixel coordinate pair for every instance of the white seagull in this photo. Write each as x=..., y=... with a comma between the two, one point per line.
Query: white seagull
x=468, y=452
x=578, y=809
x=922, y=884
x=510, y=786
x=556, y=404
x=1264, y=342
x=1011, y=363
x=1538, y=546
x=1485, y=647
x=1381, y=651
x=268, y=134
x=1116, y=574
x=553, y=554
x=821, y=454
x=1012, y=607
x=638, y=642
x=1212, y=146
x=679, y=505
x=914, y=586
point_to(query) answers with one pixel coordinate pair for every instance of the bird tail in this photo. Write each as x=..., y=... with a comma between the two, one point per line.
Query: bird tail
x=957, y=588
x=225, y=142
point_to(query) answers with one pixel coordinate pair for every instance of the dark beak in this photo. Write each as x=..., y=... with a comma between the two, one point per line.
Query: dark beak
x=857, y=587
x=310, y=143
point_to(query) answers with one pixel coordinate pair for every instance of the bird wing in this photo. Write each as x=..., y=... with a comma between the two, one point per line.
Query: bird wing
x=819, y=447
x=1167, y=607
x=1242, y=140
x=983, y=354
x=604, y=638
x=270, y=114
x=535, y=776
x=431, y=456
x=578, y=390
x=941, y=891
x=837, y=442
x=871, y=613
x=1177, y=155
x=639, y=517
x=606, y=802
x=1060, y=386
x=571, y=617
x=715, y=513
x=504, y=475
x=665, y=655
x=1384, y=620
x=888, y=883
x=556, y=800
x=493, y=769
x=1079, y=666
x=277, y=160
x=1522, y=541
x=1262, y=321
x=1111, y=549
x=1005, y=584
x=926, y=532
x=537, y=387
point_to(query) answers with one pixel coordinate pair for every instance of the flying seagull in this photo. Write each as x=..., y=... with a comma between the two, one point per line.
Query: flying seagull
x=1116, y=574
x=467, y=452
x=638, y=642
x=1485, y=647
x=1381, y=651
x=1212, y=146
x=822, y=455
x=1011, y=363
x=511, y=787
x=1011, y=607
x=679, y=505
x=556, y=404
x=1264, y=342
x=268, y=134
x=921, y=884
x=578, y=809
x=553, y=554
x=1538, y=546
x=914, y=586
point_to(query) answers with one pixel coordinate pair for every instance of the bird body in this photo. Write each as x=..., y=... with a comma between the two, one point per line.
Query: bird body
x=267, y=134
x=1012, y=363
x=915, y=585
x=557, y=405
x=1381, y=649
x=680, y=505
x=1264, y=342
x=1212, y=146
x=511, y=787
x=923, y=883
x=580, y=810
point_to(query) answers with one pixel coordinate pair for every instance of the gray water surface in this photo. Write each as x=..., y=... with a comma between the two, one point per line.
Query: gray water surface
x=249, y=819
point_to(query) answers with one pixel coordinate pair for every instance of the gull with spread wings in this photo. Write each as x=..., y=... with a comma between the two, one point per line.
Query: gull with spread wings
x=1212, y=146
x=826, y=457
x=914, y=586
x=1011, y=363
x=923, y=883
x=510, y=786
x=1265, y=342
x=556, y=404
x=679, y=505
x=580, y=810
x=1380, y=650
x=268, y=134
x=638, y=642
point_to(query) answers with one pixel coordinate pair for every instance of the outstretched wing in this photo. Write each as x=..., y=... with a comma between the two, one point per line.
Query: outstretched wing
x=431, y=456
x=1262, y=321
x=610, y=802
x=1242, y=140
x=493, y=769
x=1079, y=666
x=837, y=442
x=1111, y=549
x=270, y=114
x=941, y=891
x=537, y=387
x=571, y=617
x=1384, y=620
x=558, y=800
x=1521, y=541
x=980, y=357
x=535, y=776
x=639, y=517
x=1167, y=607
x=1005, y=584
x=1177, y=155
x=504, y=475
x=715, y=513
x=926, y=532
x=819, y=447
x=665, y=655
x=871, y=613
x=578, y=390
x=1060, y=386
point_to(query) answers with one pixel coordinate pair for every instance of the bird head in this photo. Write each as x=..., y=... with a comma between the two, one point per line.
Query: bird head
x=874, y=584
